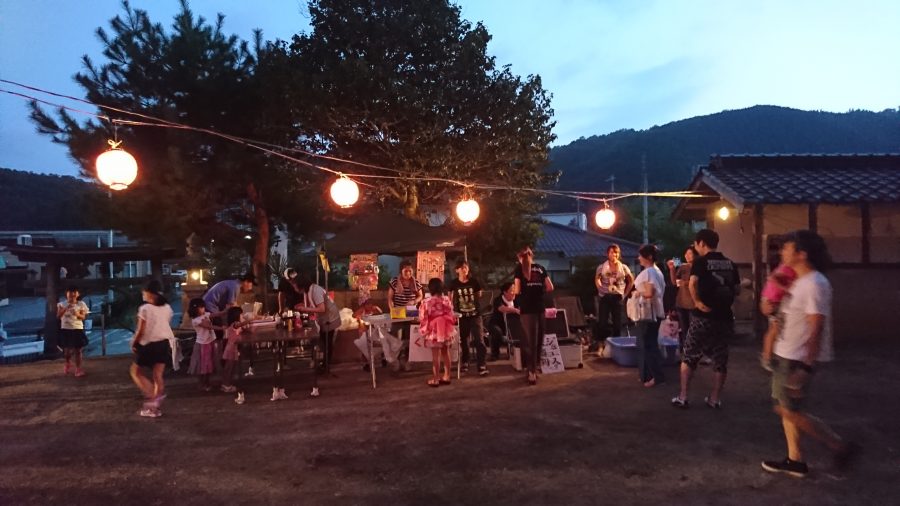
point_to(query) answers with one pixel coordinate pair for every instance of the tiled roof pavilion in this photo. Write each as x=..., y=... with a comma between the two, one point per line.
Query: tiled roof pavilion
x=799, y=179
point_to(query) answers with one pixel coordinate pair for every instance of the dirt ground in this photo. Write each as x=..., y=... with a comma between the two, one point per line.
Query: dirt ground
x=587, y=436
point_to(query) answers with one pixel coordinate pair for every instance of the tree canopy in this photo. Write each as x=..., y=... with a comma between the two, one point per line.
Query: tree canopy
x=410, y=87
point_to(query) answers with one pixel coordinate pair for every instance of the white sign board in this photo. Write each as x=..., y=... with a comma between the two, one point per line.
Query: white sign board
x=551, y=357
x=418, y=352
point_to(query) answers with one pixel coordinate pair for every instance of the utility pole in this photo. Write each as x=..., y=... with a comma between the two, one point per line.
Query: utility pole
x=644, y=176
x=612, y=183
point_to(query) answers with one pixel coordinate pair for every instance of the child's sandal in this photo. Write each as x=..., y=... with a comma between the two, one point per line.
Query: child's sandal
x=433, y=383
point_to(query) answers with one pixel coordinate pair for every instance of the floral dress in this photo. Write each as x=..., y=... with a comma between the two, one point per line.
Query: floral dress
x=437, y=322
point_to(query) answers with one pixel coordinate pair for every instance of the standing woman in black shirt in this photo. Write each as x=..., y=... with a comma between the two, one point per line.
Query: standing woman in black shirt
x=531, y=283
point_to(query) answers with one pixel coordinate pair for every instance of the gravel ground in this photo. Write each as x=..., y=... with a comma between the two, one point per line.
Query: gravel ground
x=587, y=436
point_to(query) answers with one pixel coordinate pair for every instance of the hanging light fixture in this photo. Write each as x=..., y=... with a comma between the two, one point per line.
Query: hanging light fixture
x=344, y=191
x=723, y=213
x=467, y=210
x=116, y=168
x=606, y=217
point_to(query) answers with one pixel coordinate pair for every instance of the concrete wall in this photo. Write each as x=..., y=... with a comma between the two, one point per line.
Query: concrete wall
x=885, y=233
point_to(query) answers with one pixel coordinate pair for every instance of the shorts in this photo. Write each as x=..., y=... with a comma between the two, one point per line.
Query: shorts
x=791, y=399
x=150, y=354
x=72, y=338
x=710, y=338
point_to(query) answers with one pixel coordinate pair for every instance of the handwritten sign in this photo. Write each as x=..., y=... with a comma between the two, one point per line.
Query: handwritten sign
x=551, y=356
x=430, y=264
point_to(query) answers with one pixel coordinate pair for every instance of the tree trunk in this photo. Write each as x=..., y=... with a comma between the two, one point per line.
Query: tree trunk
x=411, y=206
x=261, y=251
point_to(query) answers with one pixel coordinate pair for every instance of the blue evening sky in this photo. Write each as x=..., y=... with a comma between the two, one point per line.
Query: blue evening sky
x=610, y=64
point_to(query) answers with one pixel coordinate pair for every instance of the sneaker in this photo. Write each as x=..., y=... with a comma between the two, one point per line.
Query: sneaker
x=249, y=372
x=483, y=371
x=229, y=389
x=79, y=372
x=843, y=459
x=315, y=392
x=240, y=398
x=150, y=413
x=678, y=402
x=282, y=396
x=786, y=466
x=712, y=405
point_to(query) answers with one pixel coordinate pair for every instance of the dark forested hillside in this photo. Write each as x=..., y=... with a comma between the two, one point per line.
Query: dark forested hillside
x=31, y=201
x=673, y=150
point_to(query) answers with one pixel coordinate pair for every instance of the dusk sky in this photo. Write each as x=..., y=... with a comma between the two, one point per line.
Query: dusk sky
x=610, y=64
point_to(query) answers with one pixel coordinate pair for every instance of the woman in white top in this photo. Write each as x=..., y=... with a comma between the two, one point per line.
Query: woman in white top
x=151, y=347
x=326, y=313
x=649, y=287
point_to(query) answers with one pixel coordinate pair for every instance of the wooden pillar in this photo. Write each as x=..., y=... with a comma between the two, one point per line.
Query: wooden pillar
x=814, y=217
x=759, y=269
x=866, y=232
x=51, y=322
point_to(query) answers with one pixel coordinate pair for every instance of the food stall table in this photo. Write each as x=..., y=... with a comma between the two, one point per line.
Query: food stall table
x=280, y=339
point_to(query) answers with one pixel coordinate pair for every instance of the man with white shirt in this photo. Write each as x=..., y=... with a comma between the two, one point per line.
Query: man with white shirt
x=804, y=341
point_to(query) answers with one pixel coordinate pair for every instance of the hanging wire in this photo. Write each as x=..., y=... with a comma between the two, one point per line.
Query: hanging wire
x=604, y=197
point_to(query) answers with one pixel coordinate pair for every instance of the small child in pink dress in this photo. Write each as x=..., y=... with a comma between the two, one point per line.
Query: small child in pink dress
x=230, y=356
x=437, y=324
x=773, y=293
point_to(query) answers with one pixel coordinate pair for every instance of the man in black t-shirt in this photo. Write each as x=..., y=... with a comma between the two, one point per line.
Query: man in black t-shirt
x=713, y=285
x=466, y=294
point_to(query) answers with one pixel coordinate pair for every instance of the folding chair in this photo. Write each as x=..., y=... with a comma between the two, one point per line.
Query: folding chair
x=577, y=321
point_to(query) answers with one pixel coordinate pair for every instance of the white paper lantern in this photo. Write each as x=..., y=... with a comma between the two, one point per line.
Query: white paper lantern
x=116, y=168
x=605, y=218
x=467, y=210
x=345, y=192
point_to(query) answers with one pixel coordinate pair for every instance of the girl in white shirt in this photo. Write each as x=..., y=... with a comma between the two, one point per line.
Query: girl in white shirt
x=203, y=357
x=650, y=285
x=151, y=347
x=72, y=338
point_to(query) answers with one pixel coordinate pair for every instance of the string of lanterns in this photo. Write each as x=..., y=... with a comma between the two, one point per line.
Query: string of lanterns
x=118, y=169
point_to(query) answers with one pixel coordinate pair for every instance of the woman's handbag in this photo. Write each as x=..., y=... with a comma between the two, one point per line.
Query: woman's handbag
x=633, y=306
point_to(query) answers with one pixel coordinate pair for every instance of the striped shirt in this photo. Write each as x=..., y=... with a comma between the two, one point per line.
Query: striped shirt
x=405, y=295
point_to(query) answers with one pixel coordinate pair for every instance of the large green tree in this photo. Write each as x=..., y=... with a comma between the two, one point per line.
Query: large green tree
x=189, y=181
x=409, y=86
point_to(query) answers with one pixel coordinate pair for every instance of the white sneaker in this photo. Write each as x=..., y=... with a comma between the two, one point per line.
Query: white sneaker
x=150, y=413
x=240, y=398
x=249, y=372
x=315, y=392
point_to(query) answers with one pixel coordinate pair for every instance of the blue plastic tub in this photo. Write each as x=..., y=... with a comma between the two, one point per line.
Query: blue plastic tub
x=624, y=351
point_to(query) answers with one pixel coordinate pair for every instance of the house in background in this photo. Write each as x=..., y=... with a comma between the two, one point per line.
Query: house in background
x=561, y=244
x=852, y=201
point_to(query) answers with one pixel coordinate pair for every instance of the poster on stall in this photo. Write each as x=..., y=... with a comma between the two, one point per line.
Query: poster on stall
x=362, y=273
x=418, y=352
x=430, y=264
x=551, y=356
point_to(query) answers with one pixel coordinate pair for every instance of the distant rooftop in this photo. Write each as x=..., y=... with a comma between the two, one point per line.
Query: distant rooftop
x=569, y=242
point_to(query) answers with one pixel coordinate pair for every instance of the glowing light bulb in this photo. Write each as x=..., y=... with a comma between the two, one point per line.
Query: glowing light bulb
x=723, y=213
